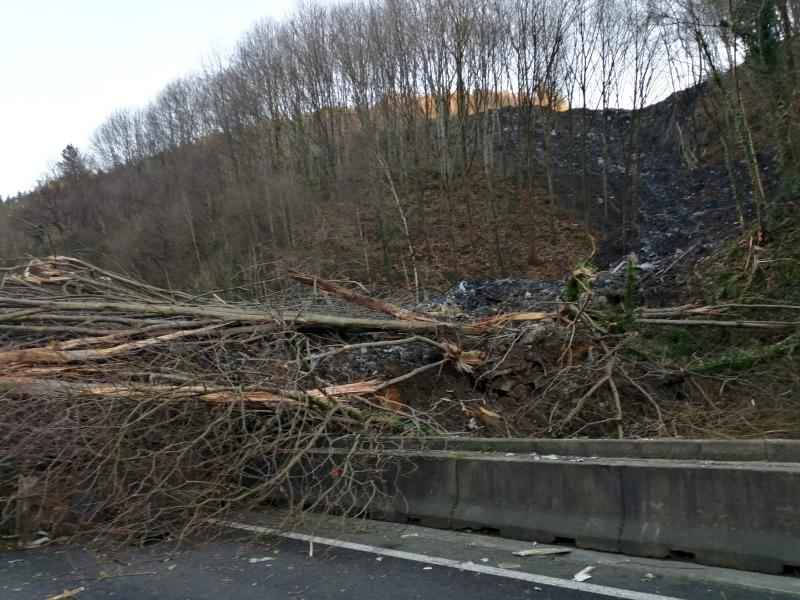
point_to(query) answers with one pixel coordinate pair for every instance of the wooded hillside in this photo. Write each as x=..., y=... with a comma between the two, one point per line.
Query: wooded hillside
x=421, y=142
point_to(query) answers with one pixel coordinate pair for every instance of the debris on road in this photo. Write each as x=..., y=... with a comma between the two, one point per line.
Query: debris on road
x=39, y=542
x=260, y=559
x=583, y=574
x=541, y=551
x=67, y=594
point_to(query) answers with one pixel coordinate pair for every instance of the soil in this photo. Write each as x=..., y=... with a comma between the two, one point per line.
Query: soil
x=686, y=201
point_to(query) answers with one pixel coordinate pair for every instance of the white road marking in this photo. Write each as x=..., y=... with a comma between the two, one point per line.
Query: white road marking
x=453, y=564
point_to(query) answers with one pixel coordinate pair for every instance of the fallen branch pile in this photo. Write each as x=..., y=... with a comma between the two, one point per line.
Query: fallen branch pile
x=136, y=410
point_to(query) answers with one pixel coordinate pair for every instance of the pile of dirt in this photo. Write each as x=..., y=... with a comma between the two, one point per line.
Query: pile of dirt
x=493, y=296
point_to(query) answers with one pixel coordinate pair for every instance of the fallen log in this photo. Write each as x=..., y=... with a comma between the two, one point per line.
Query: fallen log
x=341, y=292
x=742, y=324
x=51, y=356
x=298, y=320
x=21, y=385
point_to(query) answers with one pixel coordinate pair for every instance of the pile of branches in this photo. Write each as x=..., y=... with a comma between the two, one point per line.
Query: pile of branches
x=133, y=411
x=138, y=412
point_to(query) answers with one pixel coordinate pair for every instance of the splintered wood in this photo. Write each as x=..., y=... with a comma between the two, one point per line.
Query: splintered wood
x=68, y=327
x=343, y=293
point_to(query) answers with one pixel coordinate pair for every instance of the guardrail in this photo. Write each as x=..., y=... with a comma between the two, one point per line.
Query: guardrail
x=733, y=504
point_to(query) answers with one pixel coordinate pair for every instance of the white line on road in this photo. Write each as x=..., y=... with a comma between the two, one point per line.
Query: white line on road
x=453, y=564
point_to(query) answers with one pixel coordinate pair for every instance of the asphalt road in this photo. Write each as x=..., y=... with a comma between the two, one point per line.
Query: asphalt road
x=236, y=567
x=221, y=570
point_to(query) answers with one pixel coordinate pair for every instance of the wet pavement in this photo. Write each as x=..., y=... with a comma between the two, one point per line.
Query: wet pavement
x=368, y=560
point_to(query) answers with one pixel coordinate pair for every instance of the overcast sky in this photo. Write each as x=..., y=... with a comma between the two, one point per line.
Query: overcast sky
x=66, y=65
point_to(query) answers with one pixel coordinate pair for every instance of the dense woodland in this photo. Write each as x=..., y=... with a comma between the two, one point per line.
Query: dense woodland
x=366, y=139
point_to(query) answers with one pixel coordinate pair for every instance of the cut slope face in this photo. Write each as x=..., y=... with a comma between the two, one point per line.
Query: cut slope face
x=682, y=200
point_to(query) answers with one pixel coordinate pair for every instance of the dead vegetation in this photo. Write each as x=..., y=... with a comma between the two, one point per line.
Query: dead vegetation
x=137, y=412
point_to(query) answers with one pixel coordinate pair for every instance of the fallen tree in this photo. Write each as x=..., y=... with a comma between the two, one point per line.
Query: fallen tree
x=133, y=410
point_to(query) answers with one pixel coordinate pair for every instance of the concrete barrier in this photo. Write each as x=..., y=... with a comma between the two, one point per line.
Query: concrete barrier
x=542, y=501
x=428, y=491
x=742, y=512
x=733, y=515
x=740, y=450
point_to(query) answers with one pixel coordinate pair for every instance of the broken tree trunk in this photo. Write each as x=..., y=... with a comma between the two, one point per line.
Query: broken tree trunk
x=298, y=320
x=334, y=289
